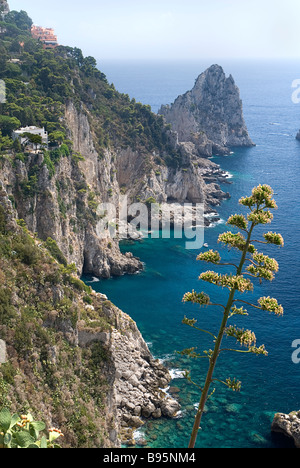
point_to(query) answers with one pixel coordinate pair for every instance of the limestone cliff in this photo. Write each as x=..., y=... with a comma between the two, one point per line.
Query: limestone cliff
x=103, y=146
x=66, y=352
x=59, y=208
x=210, y=115
x=63, y=205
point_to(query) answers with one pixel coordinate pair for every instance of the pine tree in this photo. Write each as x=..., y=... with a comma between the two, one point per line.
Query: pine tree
x=253, y=264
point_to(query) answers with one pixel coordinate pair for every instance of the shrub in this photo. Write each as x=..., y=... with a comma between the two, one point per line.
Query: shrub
x=26, y=251
x=6, y=308
x=55, y=251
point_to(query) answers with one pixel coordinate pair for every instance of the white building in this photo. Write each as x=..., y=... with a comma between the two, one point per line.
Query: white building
x=18, y=134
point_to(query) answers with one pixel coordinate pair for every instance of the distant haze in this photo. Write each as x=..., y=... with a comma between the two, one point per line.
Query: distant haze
x=172, y=29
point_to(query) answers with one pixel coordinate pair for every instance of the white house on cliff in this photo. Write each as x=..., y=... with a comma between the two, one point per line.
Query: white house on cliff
x=19, y=134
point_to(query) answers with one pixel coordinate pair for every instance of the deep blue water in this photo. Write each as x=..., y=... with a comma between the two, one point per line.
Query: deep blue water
x=154, y=297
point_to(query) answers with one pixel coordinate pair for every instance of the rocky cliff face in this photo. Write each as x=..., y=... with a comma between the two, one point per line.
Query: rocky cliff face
x=74, y=347
x=139, y=380
x=63, y=205
x=210, y=115
x=141, y=175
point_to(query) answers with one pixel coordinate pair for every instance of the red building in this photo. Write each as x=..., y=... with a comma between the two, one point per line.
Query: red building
x=45, y=35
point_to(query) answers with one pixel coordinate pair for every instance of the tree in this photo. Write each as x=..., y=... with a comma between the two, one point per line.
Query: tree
x=20, y=19
x=252, y=264
x=78, y=56
x=89, y=65
x=8, y=124
x=5, y=142
x=57, y=137
x=35, y=140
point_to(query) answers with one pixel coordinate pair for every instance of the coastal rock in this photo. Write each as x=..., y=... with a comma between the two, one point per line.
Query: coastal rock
x=170, y=408
x=210, y=115
x=289, y=425
x=137, y=377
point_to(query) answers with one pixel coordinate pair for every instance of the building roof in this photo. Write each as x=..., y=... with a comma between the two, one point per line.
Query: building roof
x=29, y=129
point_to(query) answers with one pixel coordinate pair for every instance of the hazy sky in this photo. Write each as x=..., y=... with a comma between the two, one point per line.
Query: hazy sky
x=172, y=29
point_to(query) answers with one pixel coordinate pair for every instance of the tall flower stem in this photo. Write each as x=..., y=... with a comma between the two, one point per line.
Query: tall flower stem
x=213, y=360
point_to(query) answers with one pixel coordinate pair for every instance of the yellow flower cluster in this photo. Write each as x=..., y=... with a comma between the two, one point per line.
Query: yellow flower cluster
x=210, y=257
x=261, y=196
x=239, y=221
x=274, y=238
x=196, y=298
x=271, y=305
x=227, y=281
x=237, y=241
x=244, y=337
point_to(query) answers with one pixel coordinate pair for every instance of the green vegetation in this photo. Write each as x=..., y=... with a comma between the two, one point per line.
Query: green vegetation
x=23, y=432
x=41, y=302
x=42, y=82
x=150, y=201
x=55, y=251
x=252, y=264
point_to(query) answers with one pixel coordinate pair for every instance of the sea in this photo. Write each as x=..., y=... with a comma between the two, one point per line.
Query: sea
x=153, y=298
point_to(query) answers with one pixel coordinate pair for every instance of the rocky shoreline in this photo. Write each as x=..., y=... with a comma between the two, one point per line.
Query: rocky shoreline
x=138, y=381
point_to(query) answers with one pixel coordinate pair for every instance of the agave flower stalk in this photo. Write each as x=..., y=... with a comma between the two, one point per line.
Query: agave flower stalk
x=253, y=264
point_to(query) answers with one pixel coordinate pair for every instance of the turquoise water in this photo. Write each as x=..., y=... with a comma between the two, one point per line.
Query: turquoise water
x=154, y=297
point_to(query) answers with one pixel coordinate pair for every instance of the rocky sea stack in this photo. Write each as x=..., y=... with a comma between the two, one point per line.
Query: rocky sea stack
x=210, y=115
